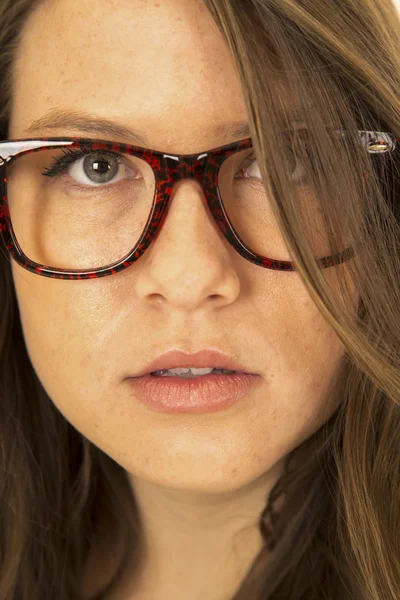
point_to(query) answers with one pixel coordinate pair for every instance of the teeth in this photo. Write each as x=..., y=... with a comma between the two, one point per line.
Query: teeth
x=180, y=370
x=189, y=371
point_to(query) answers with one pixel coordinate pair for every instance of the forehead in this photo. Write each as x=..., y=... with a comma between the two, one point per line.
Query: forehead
x=163, y=67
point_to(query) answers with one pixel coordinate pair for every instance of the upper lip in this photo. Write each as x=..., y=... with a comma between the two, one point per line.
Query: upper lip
x=204, y=358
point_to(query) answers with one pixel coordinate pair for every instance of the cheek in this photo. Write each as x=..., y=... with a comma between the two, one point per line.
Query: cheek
x=303, y=353
x=63, y=332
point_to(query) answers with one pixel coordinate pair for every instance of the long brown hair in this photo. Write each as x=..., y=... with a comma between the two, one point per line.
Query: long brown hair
x=332, y=523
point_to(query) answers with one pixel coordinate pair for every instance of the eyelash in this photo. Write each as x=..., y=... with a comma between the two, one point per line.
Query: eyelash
x=60, y=165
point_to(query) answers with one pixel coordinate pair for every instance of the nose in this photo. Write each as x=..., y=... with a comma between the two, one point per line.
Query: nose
x=190, y=262
x=188, y=217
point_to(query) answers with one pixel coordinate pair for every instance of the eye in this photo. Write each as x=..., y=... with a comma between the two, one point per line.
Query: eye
x=251, y=170
x=90, y=168
x=96, y=169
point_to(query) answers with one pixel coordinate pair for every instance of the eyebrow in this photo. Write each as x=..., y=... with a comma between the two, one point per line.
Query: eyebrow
x=85, y=122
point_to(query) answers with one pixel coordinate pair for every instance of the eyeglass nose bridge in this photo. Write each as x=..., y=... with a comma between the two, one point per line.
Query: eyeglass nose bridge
x=204, y=169
x=186, y=167
x=195, y=167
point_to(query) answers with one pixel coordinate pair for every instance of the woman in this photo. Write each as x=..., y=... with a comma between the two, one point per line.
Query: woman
x=214, y=182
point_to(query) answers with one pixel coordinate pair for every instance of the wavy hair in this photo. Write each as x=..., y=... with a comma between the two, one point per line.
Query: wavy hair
x=331, y=524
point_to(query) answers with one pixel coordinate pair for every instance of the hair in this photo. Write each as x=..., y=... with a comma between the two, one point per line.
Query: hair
x=331, y=525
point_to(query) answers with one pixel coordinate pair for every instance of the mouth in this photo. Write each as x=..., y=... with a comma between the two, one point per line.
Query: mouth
x=176, y=363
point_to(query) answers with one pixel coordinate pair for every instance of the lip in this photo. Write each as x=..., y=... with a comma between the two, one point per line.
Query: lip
x=204, y=358
x=200, y=395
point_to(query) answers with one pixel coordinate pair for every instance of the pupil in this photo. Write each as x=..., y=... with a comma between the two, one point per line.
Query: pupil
x=101, y=166
x=100, y=170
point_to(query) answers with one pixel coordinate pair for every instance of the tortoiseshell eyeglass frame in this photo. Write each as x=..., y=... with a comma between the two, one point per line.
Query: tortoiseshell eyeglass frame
x=168, y=169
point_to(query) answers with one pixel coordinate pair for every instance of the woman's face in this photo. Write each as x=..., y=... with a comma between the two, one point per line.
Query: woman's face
x=164, y=68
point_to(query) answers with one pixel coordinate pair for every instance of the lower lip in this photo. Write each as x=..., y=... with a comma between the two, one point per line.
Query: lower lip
x=204, y=394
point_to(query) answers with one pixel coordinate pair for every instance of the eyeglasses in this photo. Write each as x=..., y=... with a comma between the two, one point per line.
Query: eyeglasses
x=61, y=218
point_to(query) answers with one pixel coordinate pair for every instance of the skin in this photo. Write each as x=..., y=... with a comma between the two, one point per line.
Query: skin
x=201, y=481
